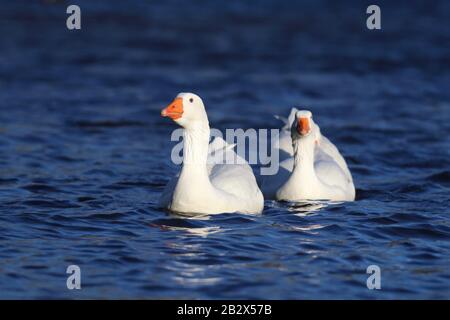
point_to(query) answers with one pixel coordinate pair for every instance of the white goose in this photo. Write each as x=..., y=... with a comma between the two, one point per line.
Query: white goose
x=201, y=187
x=312, y=169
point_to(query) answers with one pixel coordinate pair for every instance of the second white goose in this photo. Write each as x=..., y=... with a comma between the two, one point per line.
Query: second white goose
x=312, y=169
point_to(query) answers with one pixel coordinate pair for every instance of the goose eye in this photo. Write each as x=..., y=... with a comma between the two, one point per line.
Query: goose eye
x=191, y=100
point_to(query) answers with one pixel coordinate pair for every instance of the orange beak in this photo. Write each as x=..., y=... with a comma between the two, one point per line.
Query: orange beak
x=174, y=110
x=303, y=126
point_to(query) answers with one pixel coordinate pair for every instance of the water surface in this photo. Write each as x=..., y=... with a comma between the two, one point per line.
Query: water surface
x=85, y=154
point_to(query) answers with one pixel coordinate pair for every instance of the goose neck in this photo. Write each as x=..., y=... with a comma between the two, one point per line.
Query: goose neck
x=303, y=156
x=195, y=147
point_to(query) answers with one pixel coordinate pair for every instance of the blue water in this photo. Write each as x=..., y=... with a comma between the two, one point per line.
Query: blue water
x=84, y=153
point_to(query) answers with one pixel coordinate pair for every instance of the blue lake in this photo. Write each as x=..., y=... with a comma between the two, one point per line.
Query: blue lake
x=84, y=153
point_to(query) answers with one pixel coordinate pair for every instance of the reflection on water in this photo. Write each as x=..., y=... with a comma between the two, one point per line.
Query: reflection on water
x=186, y=223
x=188, y=215
x=202, y=232
x=306, y=208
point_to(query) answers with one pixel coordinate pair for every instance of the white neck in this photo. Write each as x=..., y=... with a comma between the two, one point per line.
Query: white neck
x=195, y=144
x=193, y=184
x=303, y=159
x=303, y=179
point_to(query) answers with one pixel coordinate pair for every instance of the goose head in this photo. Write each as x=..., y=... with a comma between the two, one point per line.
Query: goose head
x=187, y=109
x=303, y=125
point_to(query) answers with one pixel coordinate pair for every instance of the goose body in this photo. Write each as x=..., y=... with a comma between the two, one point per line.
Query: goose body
x=311, y=166
x=204, y=186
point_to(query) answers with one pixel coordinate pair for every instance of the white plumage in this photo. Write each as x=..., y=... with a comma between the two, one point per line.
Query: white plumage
x=205, y=184
x=311, y=167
